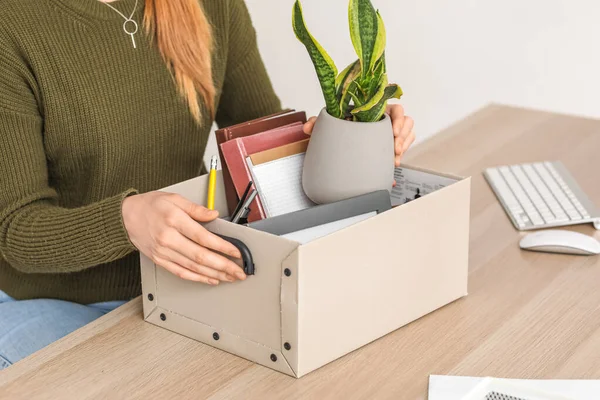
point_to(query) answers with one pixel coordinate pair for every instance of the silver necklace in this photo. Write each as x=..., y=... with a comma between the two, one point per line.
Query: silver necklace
x=129, y=22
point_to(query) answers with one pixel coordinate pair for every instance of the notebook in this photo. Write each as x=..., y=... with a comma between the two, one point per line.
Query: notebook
x=277, y=176
x=263, y=124
x=236, y=151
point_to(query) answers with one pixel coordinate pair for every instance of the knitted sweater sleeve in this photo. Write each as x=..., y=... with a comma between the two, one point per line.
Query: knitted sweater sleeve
x=37, y=235
x=247, y=91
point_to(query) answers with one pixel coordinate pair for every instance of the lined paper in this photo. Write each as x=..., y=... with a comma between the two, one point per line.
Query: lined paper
x=279, y=185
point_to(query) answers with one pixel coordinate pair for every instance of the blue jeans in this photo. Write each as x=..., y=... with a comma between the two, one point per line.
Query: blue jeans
x=27, y=326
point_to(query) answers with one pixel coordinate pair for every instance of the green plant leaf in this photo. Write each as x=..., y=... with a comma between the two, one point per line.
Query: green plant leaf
x=344, y=84
x=381, y=64
x=372, y=112
x=364, y=31
x=374, y=100
x=392, y=91
x=349, y=73
x=357, y=101
x=347, y=95
x=361, y=92
x=377, y=79
x=324, y=65
x=380, y=43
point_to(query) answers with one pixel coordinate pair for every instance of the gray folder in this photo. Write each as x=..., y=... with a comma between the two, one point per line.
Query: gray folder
x=378, y=202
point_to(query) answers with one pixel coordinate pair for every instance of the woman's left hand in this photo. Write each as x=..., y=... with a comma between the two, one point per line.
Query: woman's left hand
x=403, y=130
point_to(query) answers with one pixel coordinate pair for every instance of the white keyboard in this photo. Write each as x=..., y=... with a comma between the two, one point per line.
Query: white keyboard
x=541, y=195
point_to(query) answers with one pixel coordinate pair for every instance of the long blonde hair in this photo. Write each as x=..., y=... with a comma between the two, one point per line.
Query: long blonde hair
x=185, y=41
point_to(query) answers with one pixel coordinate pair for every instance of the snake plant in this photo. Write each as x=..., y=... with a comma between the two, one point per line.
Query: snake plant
x=361, y=91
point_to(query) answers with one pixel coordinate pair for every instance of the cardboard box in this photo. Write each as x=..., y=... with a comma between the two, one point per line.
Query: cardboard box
x=310, y=304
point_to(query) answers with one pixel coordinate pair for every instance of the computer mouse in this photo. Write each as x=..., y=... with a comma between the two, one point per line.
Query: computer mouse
x=557, y=241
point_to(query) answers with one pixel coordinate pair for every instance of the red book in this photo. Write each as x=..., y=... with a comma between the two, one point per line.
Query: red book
x=235, y=153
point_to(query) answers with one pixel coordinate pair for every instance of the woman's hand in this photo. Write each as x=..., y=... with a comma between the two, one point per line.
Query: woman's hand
x=403, y=130
x=165, y=228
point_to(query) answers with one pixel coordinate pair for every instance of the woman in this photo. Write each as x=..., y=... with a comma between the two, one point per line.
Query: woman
x=95, y=115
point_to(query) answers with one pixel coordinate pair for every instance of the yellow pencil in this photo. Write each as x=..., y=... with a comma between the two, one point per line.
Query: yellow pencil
x=212, y=183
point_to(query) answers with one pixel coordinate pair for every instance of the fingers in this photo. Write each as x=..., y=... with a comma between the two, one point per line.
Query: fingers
x=198, y=234
x=396, y=113
x=408, y=142
x=401, y=147
x=194, y=231
x=187, y=263
x=398, y=160
x=407, y=127
x=196, y=244
x=398, y=145
x=197, y=258
x=203, y=257
x=309, y=126
x=184, y=273
x=197, y=212
x=403, y=131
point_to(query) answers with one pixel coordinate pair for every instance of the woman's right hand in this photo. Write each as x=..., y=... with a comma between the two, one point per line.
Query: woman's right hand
x=165, y=228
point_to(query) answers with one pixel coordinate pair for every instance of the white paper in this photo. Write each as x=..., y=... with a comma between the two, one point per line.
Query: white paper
x=308, y=235
x=412, y=184
x=279, y=185
x=458, y=387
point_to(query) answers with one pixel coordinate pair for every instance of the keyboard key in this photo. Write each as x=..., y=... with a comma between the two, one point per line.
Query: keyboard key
x=558, y=193
x=538, y=221
x=543, y=190
x=523, y=220
x=538, y=205
x=504, y=191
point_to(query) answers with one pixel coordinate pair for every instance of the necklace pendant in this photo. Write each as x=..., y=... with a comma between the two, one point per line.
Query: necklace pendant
x=133, y=28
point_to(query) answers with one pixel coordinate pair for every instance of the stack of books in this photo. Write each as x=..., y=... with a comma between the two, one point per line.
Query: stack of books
x=270, y=153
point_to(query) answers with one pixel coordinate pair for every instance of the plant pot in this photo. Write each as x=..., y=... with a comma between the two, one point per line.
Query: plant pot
x=345, y=159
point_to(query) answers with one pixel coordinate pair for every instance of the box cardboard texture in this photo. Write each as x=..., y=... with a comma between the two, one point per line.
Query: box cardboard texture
x=343, y=291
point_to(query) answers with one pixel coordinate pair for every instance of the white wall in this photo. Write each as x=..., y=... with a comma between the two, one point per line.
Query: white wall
x=450, y=57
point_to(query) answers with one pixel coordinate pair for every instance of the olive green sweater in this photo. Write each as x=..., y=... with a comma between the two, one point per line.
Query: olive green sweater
x=85, y=120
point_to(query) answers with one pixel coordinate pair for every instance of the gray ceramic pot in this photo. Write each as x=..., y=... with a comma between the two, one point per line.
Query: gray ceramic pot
x=346, y=159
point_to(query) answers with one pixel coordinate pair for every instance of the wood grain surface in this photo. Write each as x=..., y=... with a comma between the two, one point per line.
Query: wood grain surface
x=528, y=315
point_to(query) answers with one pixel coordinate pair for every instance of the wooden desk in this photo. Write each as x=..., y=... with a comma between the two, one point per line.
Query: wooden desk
x=528, y=315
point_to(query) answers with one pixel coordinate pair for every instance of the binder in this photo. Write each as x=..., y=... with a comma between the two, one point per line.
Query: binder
x=319, y=215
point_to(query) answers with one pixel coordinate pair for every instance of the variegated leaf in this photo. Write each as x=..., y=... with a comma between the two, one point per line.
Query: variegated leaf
x=377, y=79
x=380, y=42
x=345, y=83
x=324, y=65
x=347, y=95
x=364, y=27
x=374, y=100
x=349, y=73
x=357, y=101
x=374, y=113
